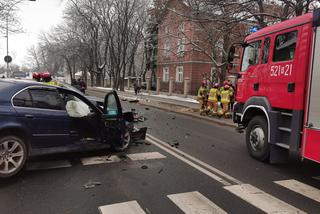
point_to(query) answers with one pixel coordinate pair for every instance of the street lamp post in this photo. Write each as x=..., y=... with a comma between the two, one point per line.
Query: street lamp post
x=8, y=58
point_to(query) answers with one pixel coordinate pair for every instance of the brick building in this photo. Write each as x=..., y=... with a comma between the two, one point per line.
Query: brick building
x=177, y=56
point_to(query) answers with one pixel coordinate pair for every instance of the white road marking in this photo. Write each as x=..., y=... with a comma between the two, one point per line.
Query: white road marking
x=316, y=177
x=301, y=188
x=197, y=167
x=195, y=203
x=146, y=156
x=184, y=155
x=100, y=160
x=48, y=165
x=262, y=200
x=130, y=207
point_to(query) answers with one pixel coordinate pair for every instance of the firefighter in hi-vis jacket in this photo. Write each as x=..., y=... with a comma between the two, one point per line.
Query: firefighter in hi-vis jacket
x=202, y=97
x=213, y=105
x=226, y=95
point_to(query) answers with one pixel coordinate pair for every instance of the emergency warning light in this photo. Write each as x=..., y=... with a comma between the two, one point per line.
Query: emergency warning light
x=254, y=29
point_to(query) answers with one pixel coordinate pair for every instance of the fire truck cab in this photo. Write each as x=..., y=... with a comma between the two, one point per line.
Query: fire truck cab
x=278, y=90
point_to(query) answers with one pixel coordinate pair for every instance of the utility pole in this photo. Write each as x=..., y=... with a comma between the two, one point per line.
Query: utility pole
x=8, y=58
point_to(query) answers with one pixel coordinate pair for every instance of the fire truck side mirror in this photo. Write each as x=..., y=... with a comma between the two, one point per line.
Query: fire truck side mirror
x=231, y=53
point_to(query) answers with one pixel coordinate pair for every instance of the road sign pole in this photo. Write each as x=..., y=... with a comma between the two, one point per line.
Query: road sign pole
x=8, y=72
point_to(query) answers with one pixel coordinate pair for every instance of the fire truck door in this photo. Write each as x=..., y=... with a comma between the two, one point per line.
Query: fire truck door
x=311, y=138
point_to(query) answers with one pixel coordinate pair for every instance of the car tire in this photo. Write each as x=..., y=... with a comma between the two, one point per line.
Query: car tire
x=257, y=139
x=13, y=155
x=125, y=142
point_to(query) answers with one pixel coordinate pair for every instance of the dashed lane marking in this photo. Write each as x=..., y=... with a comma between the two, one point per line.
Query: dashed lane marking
x=100, y=160
x=190, y=163
x=32, y=166
x=146, y=156
x=301, y=188
x=262, y=200
x=130, y=207
x=205, y=168
x=195, y=203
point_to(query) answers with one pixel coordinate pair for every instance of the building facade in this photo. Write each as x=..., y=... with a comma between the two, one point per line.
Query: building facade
x=178, y=56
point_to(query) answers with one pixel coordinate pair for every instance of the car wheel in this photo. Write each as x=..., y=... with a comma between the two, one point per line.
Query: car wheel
x=125, y=143
x=257, y=139
x=13, y=155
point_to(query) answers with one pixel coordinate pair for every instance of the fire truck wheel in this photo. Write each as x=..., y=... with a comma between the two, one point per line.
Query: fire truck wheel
x=256, y=138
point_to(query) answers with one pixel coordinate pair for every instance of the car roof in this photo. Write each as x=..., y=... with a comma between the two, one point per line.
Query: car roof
x=9, y=87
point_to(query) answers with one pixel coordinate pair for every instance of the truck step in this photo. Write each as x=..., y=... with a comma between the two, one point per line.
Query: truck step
x=284, y=129
x=286, y=146
x=286, y=114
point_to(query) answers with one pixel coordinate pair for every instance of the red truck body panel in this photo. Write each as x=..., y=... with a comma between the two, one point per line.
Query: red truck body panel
x=273, y=77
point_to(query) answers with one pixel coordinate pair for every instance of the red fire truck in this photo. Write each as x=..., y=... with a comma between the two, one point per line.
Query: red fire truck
x=278, y=90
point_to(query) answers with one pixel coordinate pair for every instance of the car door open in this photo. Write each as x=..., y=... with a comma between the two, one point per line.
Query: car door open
x=118, y=124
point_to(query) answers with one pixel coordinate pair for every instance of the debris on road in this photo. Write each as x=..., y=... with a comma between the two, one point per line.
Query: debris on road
x=160, y=170
x=133, y=101
x=147, y=109
x=144, y=167
x=173, y=118
x=147, y=143
x=124, y=99
x=187, y=135
x=92, y=184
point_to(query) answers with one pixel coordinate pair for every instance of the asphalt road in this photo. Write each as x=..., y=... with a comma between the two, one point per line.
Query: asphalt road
x=188, y=166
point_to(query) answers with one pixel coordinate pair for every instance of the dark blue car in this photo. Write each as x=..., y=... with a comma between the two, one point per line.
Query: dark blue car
x=38, y=119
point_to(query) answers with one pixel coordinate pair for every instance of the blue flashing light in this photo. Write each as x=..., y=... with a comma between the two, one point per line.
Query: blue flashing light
x=254, y=29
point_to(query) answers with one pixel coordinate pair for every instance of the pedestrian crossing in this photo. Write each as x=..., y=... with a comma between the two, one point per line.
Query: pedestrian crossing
x=301, y=188
x=261, y=199
x=107, y=159
x=196, y=203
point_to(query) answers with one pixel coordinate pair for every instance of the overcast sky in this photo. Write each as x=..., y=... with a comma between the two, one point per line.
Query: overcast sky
x=35, y=17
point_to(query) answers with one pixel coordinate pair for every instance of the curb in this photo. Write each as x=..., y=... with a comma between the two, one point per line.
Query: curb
x=196, y=116
x=206, y=118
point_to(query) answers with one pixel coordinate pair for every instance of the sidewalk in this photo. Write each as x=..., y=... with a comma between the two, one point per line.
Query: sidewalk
x=176, y=103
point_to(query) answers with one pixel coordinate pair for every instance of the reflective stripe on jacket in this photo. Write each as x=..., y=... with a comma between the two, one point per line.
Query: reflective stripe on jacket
x=202, y=92
x=213, y=94
x=225, y=96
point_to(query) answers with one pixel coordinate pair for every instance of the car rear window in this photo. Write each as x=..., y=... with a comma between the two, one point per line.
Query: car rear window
x=23, y=99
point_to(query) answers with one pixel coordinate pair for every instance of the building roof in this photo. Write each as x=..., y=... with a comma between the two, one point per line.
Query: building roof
x=307, y=18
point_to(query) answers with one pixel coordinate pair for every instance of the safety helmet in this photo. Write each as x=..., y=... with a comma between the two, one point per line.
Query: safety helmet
x=226, y=87
x=46, y=75
x=36, y=75
x=216, y=85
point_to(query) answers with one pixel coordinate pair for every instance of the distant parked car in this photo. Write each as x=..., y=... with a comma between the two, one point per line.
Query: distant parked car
x=38, y=119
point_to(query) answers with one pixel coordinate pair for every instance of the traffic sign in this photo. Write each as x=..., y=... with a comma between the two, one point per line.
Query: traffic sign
x=8, y=59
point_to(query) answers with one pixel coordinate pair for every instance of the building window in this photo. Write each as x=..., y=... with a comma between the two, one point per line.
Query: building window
x=285, y=46
x=181, y=27
x=181, y=49
x=166, y=49
x=166, y=29
x=213, y=75
x=165, y=77
x=179, y=74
